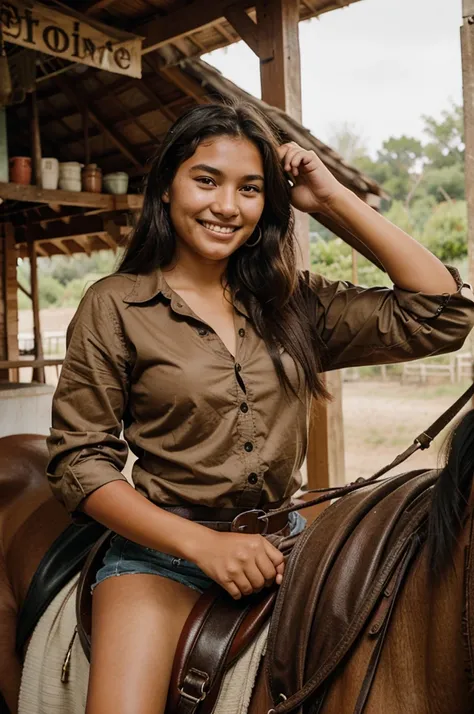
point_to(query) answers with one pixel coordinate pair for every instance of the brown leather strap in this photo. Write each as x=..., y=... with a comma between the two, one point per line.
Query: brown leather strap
x=222, y=519
x=211, y=648
x=422, y=441
x=392, y=589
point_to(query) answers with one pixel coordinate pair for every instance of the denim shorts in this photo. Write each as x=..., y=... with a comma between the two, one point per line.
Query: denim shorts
x=125, y=556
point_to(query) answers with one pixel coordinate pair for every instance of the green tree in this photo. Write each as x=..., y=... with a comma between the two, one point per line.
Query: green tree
x=50, y=291
x=445, y=232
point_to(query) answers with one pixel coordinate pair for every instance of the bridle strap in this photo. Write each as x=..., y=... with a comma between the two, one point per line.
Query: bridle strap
x=422, y=441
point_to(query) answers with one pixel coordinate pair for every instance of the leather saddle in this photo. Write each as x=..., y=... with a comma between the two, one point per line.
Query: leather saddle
x=215, y=634
x=342, y=579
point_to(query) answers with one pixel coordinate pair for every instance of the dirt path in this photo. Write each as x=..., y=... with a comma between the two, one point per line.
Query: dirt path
x=382, y=418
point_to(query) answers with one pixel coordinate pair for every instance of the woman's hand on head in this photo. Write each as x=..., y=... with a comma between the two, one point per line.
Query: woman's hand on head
x=314, y=186
x=241, y=564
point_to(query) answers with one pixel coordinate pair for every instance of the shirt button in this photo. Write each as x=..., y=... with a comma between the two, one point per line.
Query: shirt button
x=253, y=478
x=242, y=332
x=237, y=367
x=248, y=446
x=244, y=407
x=179, y=304
x=202, y=331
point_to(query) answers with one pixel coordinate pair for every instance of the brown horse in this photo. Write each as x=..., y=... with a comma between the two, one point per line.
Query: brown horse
x=426, y=662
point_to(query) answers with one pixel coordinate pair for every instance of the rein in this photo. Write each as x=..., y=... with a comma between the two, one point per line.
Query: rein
x=256, y=520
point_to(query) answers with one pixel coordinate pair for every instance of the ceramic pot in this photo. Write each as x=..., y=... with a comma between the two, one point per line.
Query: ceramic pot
x=116, y=182
x=92, y=178
x=68, y=184
x=49, y=173
x=70, y=176
x=20, y=169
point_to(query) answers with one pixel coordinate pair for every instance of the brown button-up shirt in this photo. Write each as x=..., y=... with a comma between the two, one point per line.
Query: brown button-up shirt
x=207, y=428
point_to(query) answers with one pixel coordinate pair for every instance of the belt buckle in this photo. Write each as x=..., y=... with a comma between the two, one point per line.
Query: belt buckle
x=250, y=522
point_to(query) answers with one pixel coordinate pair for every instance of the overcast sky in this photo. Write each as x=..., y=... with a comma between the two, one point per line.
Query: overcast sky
x=377, y=65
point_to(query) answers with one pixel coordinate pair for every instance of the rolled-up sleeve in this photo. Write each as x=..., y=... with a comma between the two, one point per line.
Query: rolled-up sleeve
x=85, y=448
x=365, y=326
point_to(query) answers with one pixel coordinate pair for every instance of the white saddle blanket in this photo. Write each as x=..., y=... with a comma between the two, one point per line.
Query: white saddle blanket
x=42, y=692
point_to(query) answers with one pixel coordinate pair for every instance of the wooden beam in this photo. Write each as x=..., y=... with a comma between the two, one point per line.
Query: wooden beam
x=135, y=119
x=24, y=290
x=109, y=241
x=77, y=97
x=18, y=192
x=35, y=139
x=467, y=8
x=38, y=372
x=63, y=247
x=97, y=5
x=27, y=362
x=80, y=225
x=84, y=242
x=197, y=15
x=278, y=44
x=106, y=202
x=244, y=26
x=188, y=85
x=41, y=251
x=325, y=457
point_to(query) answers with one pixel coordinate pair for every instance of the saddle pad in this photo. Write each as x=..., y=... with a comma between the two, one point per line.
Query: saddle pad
x=43, y=692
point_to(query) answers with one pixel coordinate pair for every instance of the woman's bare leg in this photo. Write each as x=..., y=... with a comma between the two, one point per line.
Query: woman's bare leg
x=136, y=623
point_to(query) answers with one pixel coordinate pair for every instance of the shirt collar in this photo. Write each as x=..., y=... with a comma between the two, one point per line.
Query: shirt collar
x=149, y=285
x=146, y=287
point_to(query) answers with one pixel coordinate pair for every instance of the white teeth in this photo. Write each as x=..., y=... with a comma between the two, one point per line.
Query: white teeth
x=218, y=229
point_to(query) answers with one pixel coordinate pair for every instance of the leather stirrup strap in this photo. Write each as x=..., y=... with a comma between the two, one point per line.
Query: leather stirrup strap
x=398, y=577
x=422, y=441
x=207, y=658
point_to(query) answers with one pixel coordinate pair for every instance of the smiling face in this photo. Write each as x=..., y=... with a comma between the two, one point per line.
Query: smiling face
x=217, y=197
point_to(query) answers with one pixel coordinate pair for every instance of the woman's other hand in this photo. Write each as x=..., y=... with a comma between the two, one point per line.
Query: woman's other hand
x=241, y=564
x=314, y=185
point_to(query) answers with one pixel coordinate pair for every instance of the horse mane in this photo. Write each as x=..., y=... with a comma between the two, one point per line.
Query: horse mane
x=451, y=495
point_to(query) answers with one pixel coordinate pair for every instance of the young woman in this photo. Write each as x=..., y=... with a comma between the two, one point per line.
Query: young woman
x=207, y=345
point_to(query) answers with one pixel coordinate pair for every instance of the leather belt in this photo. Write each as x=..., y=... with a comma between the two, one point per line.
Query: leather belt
x=220, y=519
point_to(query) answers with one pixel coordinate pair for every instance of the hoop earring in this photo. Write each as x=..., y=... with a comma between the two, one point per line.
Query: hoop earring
x=252, y=245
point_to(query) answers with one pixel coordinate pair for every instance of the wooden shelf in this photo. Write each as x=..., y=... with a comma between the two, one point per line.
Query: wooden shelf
x=33, y=194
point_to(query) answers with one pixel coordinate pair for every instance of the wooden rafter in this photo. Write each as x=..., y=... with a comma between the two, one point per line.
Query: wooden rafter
x=109, y=241
x=244, y=26
x=78, y=225
x=83, y=241
x=134, y=119
x=179, y=23
x=77, y=97
x=223, y=31
x=188, y=85
x=97, y=5
x=63, y=247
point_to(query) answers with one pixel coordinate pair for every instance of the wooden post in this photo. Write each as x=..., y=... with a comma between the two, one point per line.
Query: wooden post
x=280, y=74
x=87, y=144
x=8, y=302
x=38, y=372
x=35, y=140
x=467, y=54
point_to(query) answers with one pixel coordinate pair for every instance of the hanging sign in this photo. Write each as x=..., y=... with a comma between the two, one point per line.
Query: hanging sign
x=40, y=28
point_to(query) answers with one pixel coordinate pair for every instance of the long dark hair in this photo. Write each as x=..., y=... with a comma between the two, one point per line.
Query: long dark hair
x=451, y=495
x=282, y=307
